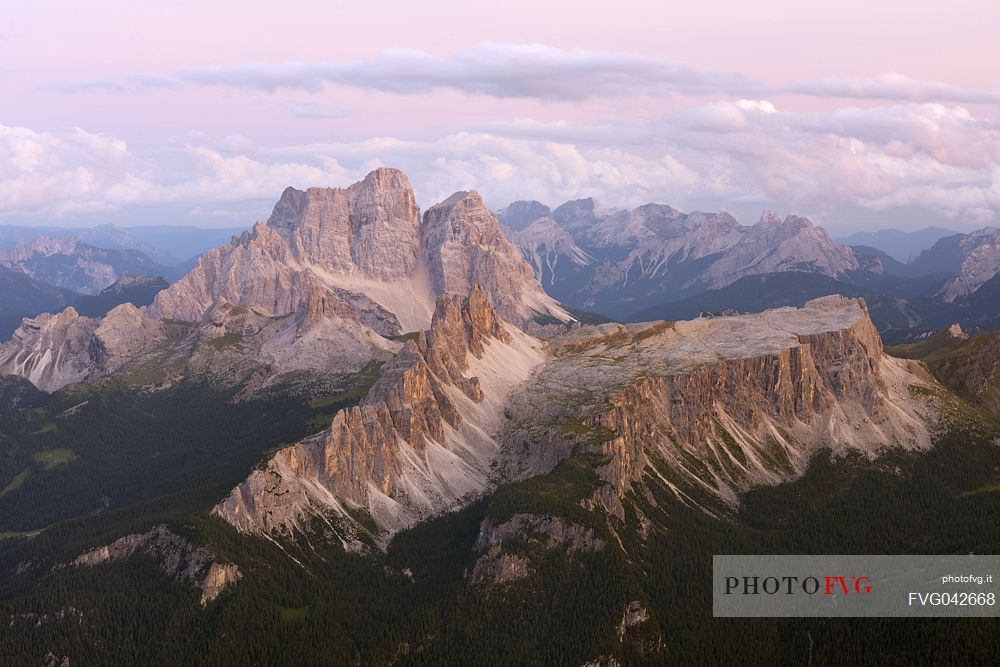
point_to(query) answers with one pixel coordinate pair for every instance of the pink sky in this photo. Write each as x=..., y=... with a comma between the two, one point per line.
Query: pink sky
x=857, y=114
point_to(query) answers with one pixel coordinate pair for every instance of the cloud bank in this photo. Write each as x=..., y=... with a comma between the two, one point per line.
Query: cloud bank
x=937, y=157
x=531, y=71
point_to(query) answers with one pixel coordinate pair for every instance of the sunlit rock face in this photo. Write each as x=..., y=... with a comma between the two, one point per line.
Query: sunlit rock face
x=366, y=241
x=422, y=441
x=724, y=403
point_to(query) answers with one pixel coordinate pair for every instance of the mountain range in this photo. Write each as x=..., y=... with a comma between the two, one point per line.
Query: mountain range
x=168, y=245
x=340, y=270
x=359, y=434
x=655, y=261
x=75, y=265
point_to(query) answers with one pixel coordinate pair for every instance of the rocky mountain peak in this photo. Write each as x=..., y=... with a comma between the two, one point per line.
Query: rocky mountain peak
x=773, y=245
x=369, y=228
x=74, y=264
x=462, y=206
x=50, y=350
x=576, y=212
x=464, y=245
x=981, y=262
x=461, y=327
x=365, y=243
x=770, y=218
x=42, y=245
x=520, y=214
x=418, y=443
x=544, y=243
x=955, y=331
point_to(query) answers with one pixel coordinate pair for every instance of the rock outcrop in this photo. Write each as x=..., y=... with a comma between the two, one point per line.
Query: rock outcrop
x=176, y=555
x=497, y=566
x=421, y=442
x=50, y=350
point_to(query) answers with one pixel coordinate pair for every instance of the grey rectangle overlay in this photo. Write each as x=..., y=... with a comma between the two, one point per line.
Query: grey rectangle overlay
x=872, y=586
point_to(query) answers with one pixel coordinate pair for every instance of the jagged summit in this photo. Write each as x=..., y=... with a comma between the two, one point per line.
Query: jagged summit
x=545, y=244
x=769, y=218
x=366, y=239
x=519, y=214
x=358, y=256
x=655, y=253
x=43, y=245
x=420, y=442
x=463, y=244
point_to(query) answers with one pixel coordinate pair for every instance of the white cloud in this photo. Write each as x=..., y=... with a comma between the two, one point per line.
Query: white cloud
x=925, y=155
x=933, y=157
x=762, y=106
x=78, y=172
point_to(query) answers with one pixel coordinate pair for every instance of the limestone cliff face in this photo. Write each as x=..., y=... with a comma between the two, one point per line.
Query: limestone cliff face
x=50, y=350
x=496, y=566
x=709, y=407
x=724, y=404
x=370, y=227
x=177, y=556
x=365, y=240
x=419, y=443
x=463, y=245
x=356, y=260
x=360, y=243
x=123, y=335
x=254, y=269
